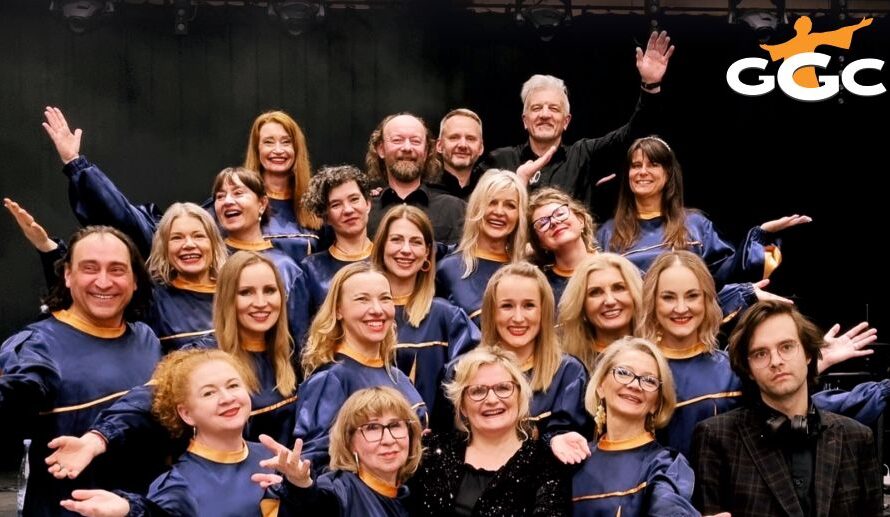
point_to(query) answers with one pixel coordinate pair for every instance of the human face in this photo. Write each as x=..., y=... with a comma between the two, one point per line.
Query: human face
x=517, y=314
x=492, y=415
x=348, y=210
x=501, y=216
x=544, y=116
x=238, y=209
x=629, y=402
x=679, y=306
x=460, y=143
x=609, y=305
x=406, y=249
x=276, y=149
x=366, y=309
x=100, y=279
x=646, y=178
x=258, y=301
x=403, y=148
x=217, y=400
x=189, y=249
x=785, y=375
x=383, y=459
x=558, y=234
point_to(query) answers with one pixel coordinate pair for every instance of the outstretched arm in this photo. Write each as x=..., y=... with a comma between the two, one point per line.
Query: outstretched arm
x=31, y=229
x=67, y=143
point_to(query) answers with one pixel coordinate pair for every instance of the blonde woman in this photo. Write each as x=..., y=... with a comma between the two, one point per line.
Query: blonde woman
x=631, y=394
x=494, y=234
x=431, y=332
x=375, y=447
x=490, y=466
x=602, y=303
x=562, y=235
x=351, y=346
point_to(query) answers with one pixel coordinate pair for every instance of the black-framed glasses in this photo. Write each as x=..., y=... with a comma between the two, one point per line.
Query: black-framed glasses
x=625, y=375
x=372, y=432
x=760, y=358
x=502, y=390
x=542, y=224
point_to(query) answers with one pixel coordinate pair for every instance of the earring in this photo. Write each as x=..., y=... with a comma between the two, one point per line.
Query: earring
x=600, y=418
x=426, y=265
x=357, y=463
x=194, y=432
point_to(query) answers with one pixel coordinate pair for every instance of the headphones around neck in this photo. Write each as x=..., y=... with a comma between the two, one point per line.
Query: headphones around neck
x=798, y=426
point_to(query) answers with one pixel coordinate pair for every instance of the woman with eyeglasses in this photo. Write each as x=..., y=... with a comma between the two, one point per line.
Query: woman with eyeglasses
x=490, y=466
x=431, y=332
x=341, y=196
x=651, y=218
x=681, y=314
x=375, y=447
x=562, y=235
x=601, y=304
x=494, y=235
x=630, y=395
x=276, y=149
x=351, y=346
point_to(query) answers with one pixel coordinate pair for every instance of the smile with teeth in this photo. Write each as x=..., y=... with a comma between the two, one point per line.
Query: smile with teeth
x=631, y=398
x=405, y=262
x=497, y=223
x=102, y=296
x=493, y=412
x=260, y=316
x=232, y=213
x=611, y=313
x=190, y=257
x=681, y=320
x=375, y=325
x=517, y=331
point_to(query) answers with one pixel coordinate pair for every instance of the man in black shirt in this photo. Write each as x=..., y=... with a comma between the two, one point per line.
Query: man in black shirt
x=576, y=168
x=400, y=156
x=460, y=146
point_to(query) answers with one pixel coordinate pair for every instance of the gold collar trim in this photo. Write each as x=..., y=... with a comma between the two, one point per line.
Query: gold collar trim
x=378, y=485
x=219, y=456
x=339, y=254
x=622, y=445
x=185, y=285
x=248, y=246
x=69, y=318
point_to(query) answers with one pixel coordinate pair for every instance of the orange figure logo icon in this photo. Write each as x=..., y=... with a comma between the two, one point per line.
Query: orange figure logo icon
x=806, y=41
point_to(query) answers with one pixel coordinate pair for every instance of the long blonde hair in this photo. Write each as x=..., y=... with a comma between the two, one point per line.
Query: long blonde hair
x=301, y=170
x=710, y=325
x=545, y=196
x=362, y=406
x=493, y=182
x=158, y=263
x=667, y=396
x=326, y=331
x=279, y=345
x=421, y=299
x=547, y=355
x=578, y=332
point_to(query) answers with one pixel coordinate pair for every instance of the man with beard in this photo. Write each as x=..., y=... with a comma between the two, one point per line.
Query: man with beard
x=400, y=157
x=460, y=146
x=578, y=168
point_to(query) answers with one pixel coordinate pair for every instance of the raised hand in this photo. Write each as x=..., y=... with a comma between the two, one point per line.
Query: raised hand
x=530, y=171
x=764, y=295
x=783, y=223
x=652, y=64
x=72, y=455
x=67, y=143
x=31, y=229
x=850, y=344
x=287, y=462
x=96, y=503
x=570, y=448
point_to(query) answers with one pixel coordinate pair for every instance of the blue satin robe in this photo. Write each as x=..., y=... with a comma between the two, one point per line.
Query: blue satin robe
x=182, y=316
x=320, y=269
x=341, y=493
x=641, y=478
x=465, y=293
x=325, y=391
x=57, y=375
x=560, y=409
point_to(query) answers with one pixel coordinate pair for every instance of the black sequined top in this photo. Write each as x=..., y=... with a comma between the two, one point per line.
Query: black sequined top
x=532, y=482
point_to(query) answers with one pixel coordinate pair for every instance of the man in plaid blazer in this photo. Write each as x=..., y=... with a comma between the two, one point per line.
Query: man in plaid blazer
x=778, y=454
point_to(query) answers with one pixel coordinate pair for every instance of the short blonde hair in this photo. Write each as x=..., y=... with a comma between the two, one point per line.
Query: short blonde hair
x=667, y=396
x=493, y=182
x=171, y=380
x=466, y=369
x=710, y=325
x=158, y=263
x=326, y=331
x=578, y=332
x=360, y=407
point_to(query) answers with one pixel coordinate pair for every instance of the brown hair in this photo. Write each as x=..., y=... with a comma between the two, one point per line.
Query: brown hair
x=375, y=165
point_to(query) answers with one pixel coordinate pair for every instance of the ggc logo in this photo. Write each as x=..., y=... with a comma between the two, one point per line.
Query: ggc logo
x=797, y=74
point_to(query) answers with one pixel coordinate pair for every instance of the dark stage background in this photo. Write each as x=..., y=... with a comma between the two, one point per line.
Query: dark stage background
x=162, y=114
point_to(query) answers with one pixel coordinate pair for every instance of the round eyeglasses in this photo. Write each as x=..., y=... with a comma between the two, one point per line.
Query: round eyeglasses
x=761, y=357
x=542, y=224
x=373, y=432
x=479, y=392
x=624, y=375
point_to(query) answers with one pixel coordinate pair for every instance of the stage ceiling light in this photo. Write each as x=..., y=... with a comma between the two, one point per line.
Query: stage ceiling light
x=82, y=15
x=546, y=19
x=297, y=16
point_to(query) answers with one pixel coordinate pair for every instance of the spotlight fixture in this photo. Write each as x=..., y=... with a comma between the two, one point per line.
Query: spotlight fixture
x=545, y=19
x=297, y=16
x=183, y=13
x=81, y=15
x=763, y=23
